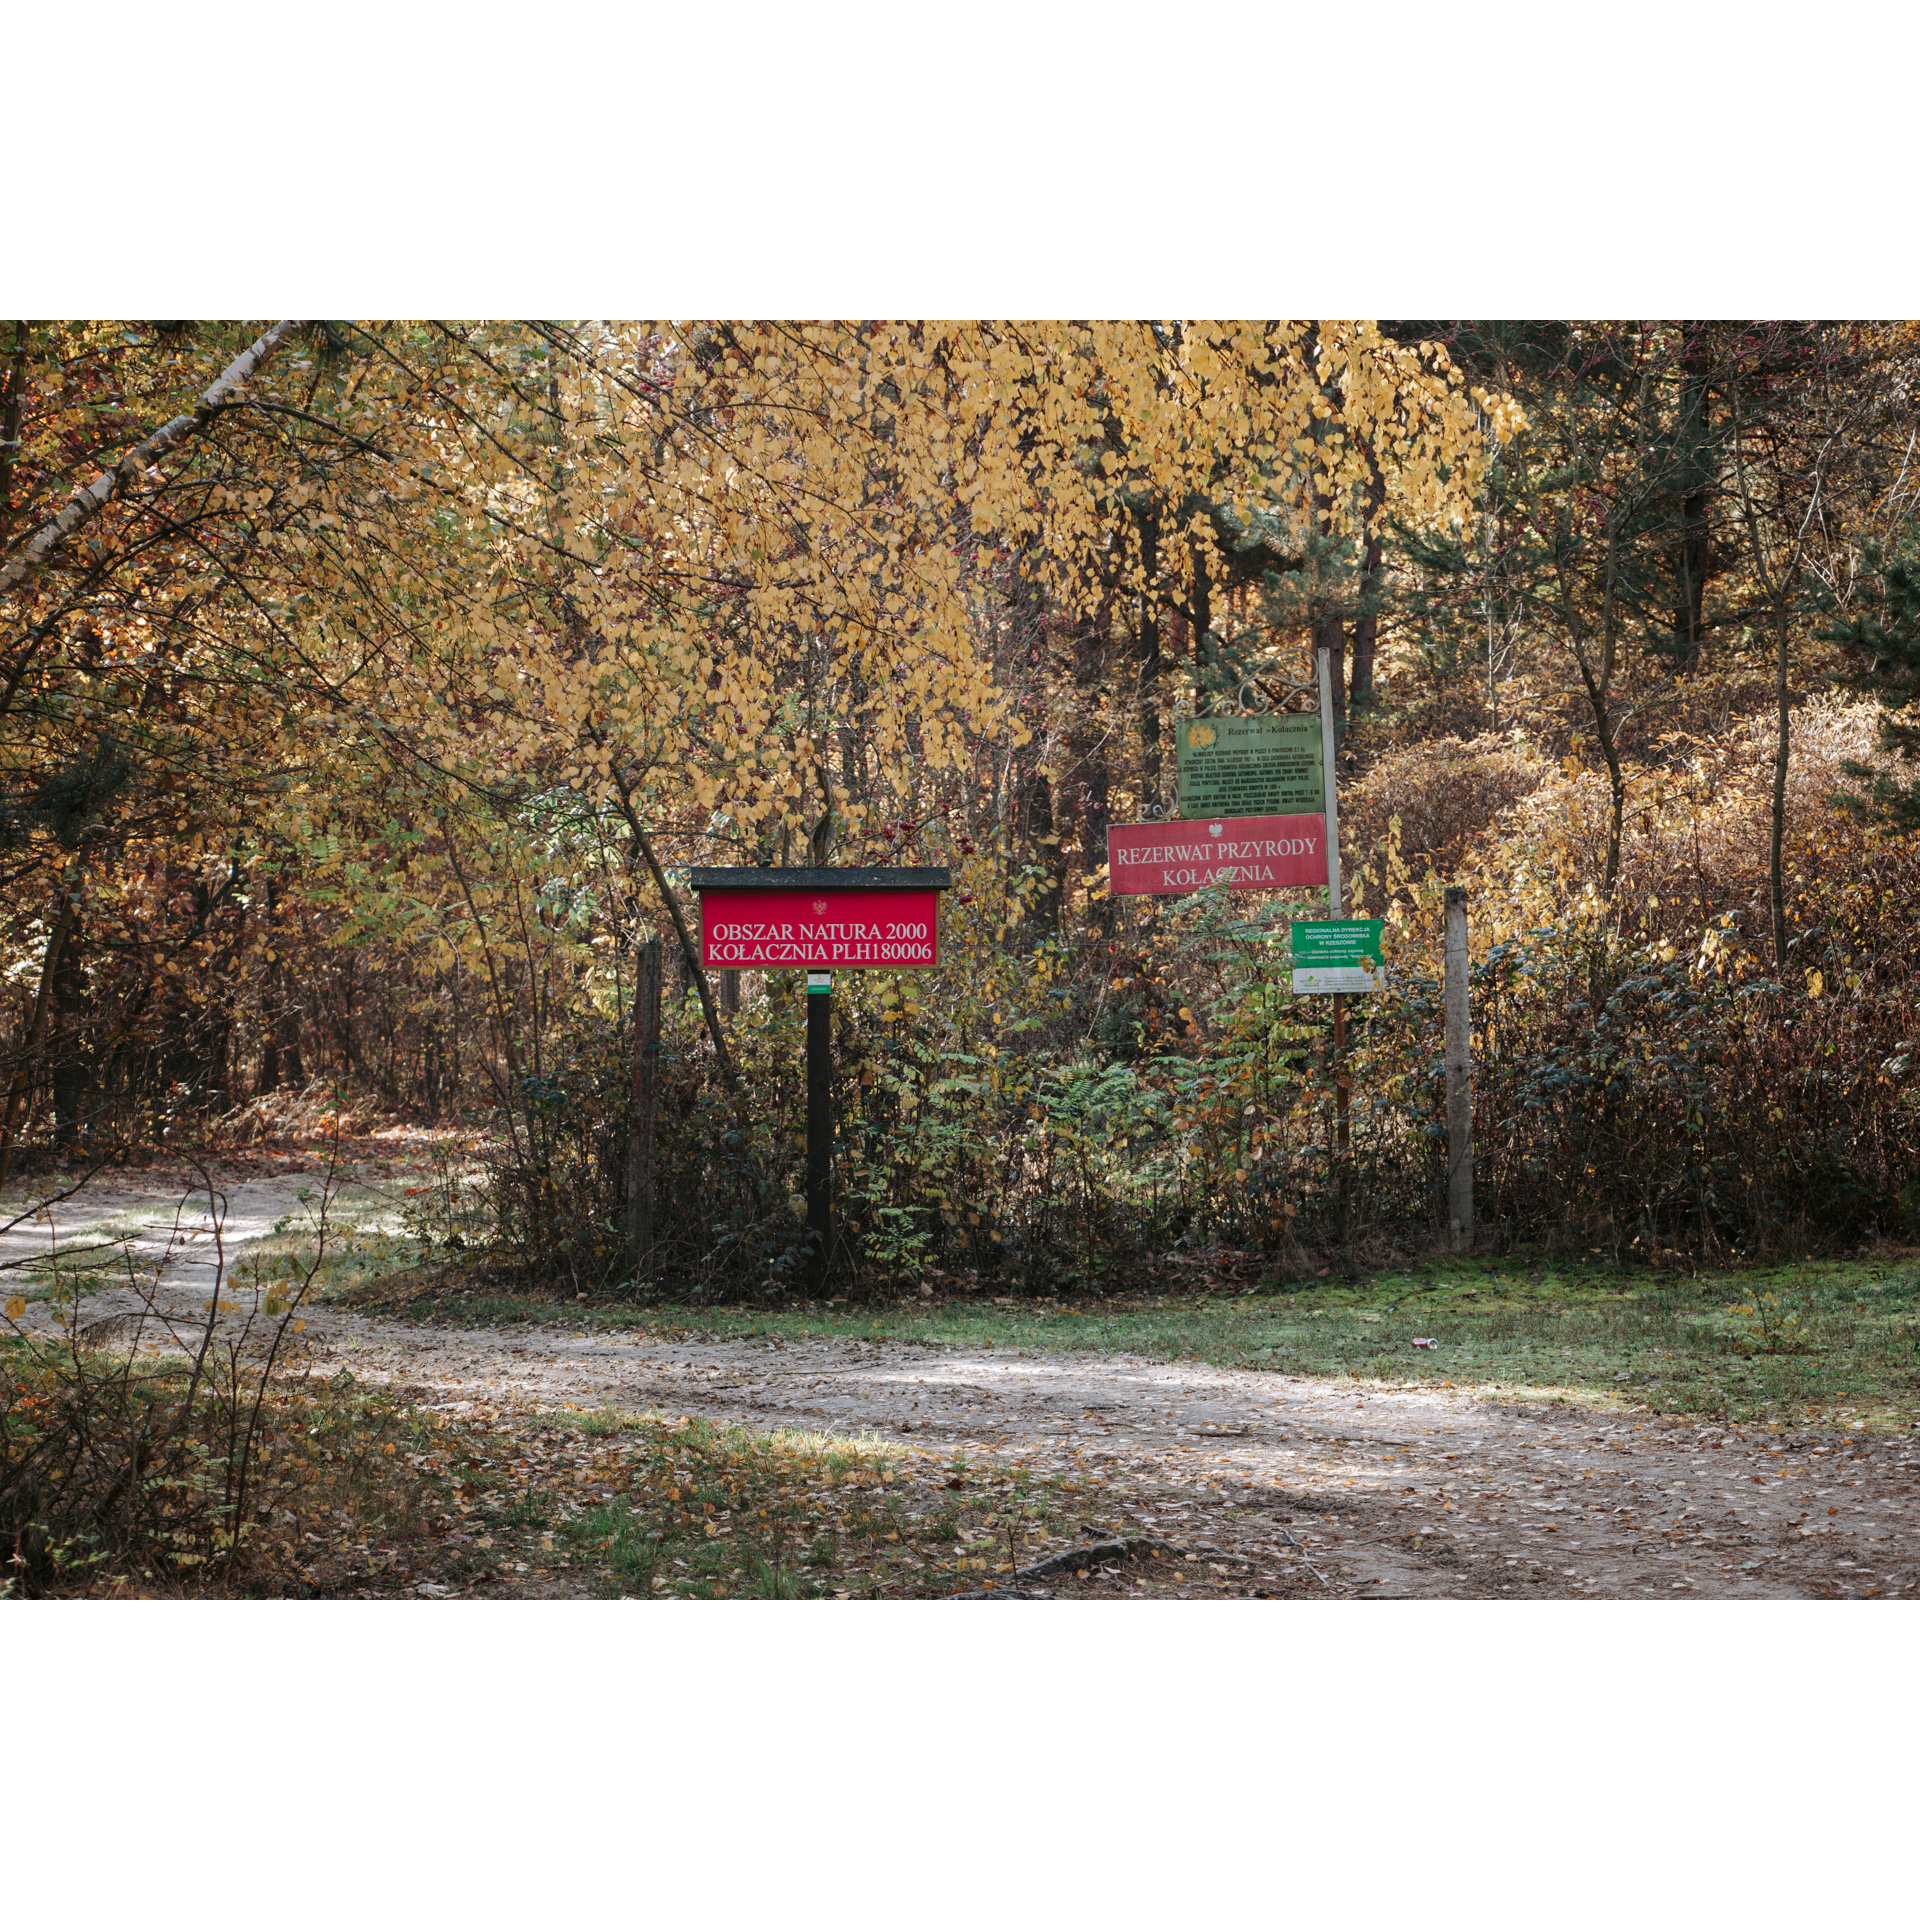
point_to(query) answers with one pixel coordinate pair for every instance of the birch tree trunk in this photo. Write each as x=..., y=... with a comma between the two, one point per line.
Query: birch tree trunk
x=23, y=1074
x=130, y=469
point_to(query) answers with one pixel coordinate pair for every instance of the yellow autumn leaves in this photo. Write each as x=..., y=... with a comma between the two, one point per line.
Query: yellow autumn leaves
x=702, y=540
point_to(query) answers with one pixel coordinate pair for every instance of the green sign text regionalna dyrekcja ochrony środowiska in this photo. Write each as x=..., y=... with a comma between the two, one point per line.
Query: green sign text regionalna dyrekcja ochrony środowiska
x=1337, y=956
x=1233, y=764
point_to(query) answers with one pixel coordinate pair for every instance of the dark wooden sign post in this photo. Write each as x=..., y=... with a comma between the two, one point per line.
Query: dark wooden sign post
x=822, y=919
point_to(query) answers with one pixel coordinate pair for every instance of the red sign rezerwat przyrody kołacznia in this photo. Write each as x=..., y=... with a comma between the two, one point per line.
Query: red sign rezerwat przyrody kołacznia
x=1181, y=856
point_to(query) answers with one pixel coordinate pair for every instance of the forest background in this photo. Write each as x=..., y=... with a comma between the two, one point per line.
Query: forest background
x=366, y=690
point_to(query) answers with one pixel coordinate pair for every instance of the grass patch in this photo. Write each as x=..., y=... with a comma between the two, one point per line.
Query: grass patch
x=349, y=1494
x=695, y=1510
x=1826, y=1341
x=366, y=1243
x=631, y=1505
x=80, y=1260
x=365, y=1237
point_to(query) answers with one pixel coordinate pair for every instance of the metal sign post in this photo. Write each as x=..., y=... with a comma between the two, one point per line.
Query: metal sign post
x=820, y=918
x=1333, y=790
x=820, y=1110
x=1342, y=1080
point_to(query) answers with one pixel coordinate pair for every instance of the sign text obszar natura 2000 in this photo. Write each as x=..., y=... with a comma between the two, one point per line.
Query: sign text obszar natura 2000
x=828, y=928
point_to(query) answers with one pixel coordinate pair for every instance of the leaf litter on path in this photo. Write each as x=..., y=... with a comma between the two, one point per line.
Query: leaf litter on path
x=1259, y=1484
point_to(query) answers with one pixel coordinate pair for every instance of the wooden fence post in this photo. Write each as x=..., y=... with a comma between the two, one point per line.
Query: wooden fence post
x=646, y=1058
x=1459, y=1080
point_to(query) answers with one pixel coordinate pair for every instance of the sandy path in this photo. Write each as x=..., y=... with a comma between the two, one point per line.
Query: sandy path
x=167, y=1230
x=1389, y=1491
x=1386, y=1491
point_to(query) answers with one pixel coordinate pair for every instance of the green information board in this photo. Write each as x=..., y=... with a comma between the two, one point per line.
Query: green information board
x=1232, y=764
x=1337, y=956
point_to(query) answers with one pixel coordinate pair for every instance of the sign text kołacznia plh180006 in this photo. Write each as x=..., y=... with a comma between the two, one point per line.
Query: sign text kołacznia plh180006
x=761, y=918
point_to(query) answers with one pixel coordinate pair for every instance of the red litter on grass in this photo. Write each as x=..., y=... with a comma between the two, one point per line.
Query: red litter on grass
x=1426, y=1343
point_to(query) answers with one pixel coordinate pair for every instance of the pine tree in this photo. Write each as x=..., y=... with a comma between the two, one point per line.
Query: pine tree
x=1884, y=638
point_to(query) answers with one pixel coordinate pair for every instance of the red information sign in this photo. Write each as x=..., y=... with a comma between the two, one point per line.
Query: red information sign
x=1181, y=856
x=827, y=927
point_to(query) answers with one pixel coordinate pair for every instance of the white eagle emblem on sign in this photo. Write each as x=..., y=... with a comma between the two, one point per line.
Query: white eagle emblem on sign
x=819, y=906
x=1216, y=830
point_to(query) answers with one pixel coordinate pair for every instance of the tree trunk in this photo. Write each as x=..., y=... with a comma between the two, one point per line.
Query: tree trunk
x=1331, y=634
x=1366, y=628
x=1783, y=747
x=1604, y=733
x=1596, y=676
x=344, y=1030
x=69, y=1050
x=646, y=1058
x=1205, y=656
x=1615, y=817
x=689, y=952
x=24, y=1070
x=1034, y=814
x=291, y=1063
x=280, y=1062
x=130, y=469
x=1090, y=775
x=1778, y=583
x=1147, y=661
x=16, y=388
x=1696, y=476
x=1329, y=629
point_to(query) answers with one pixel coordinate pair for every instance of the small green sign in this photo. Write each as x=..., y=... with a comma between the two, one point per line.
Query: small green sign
x=819, y=983
x=1337, y=956
x=1232, y=764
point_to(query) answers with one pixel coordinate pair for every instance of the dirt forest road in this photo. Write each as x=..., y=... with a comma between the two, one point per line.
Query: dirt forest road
x=1311, y=1486
x=1388, y=1493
